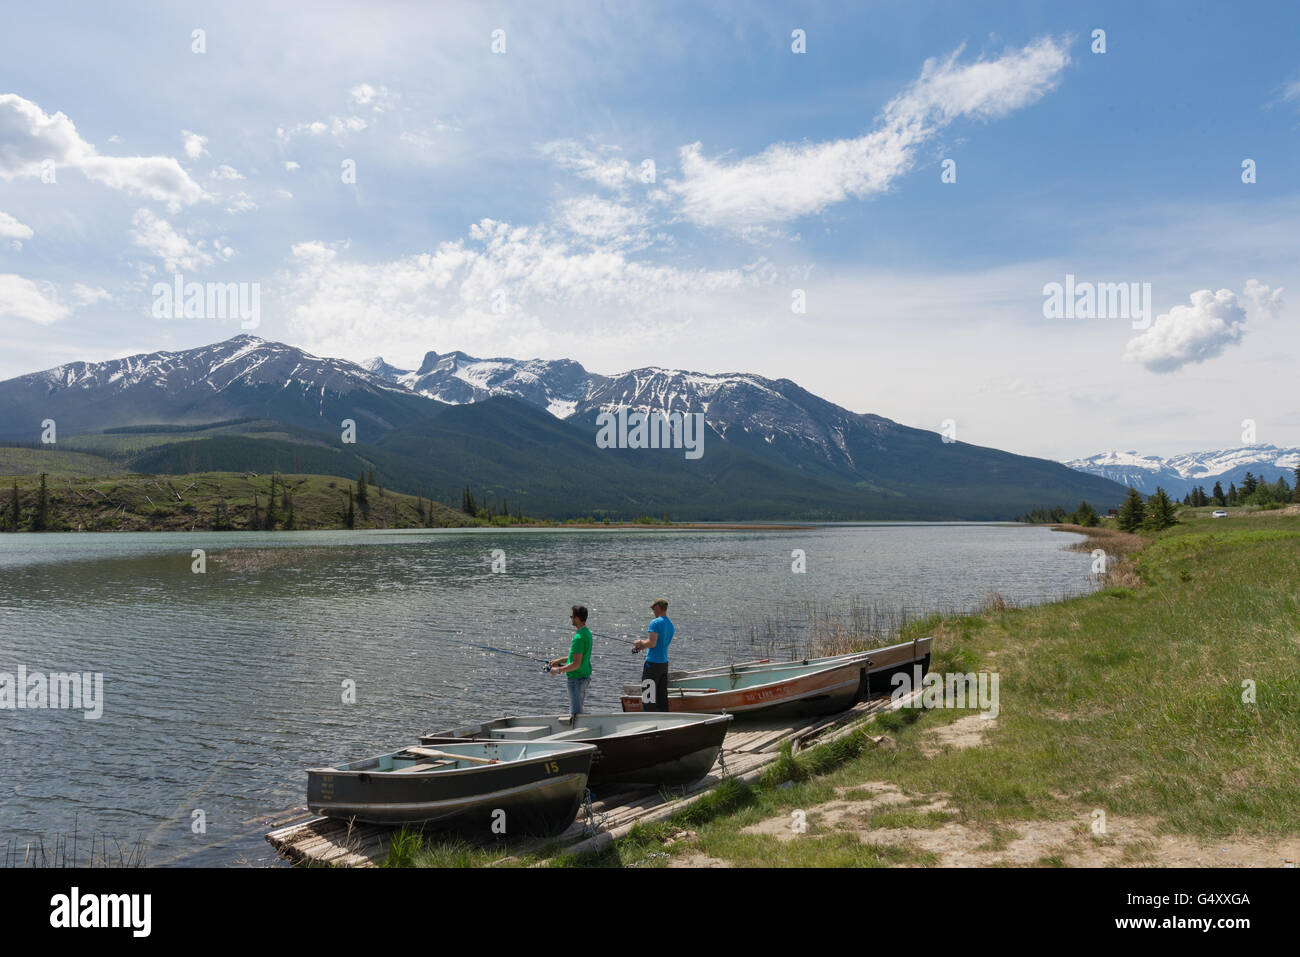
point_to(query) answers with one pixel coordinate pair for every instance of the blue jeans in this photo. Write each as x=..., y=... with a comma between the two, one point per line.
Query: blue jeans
x=577, y=692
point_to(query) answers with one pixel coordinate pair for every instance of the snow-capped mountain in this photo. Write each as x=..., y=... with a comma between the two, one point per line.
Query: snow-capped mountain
x=518, y=424
x=243, y=376
x=738, y=406
x=1178, y=474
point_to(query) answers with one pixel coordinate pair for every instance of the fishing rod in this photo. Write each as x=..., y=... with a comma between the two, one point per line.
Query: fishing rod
x=626, y=641
x=502, y=651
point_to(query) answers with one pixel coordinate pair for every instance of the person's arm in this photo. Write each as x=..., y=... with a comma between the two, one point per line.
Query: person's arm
x=562, y=669
x=647, y=643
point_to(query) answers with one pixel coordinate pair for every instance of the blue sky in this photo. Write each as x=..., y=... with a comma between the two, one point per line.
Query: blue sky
x=500, y=208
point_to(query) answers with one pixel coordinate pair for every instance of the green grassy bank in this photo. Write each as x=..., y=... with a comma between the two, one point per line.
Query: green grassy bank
x=1128, y=702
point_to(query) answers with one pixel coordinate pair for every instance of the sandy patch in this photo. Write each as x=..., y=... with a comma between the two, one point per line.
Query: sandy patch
x=968, y=732
x=696, y=860
x=852, y=811
x=1127, y=842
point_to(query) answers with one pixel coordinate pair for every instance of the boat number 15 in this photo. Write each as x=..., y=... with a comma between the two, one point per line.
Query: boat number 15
x=552, y=767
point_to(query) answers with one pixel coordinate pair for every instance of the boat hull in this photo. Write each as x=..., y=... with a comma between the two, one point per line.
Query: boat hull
x=674, y=755
x=834, y=683
x=539, y=796
x=823, y=692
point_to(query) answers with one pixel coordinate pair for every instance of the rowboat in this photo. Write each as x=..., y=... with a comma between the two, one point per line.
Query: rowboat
x=885, y=663
x=812, y=686
x=529, y=787
x=659, y=749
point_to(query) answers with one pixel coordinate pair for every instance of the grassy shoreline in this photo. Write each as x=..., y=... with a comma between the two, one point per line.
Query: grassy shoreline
x=1128, y=702
x=1152, y=722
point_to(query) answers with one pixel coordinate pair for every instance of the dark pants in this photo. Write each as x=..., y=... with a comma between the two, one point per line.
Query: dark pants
x=658, y=673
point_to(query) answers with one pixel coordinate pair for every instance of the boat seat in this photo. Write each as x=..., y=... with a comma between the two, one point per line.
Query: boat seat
x=635, y=728
x=571, y=735
x=523, y=732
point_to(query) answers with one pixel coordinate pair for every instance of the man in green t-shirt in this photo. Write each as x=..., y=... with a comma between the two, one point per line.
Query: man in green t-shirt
x=578, y=665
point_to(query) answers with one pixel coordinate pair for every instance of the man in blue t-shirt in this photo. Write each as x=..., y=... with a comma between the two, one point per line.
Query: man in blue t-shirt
x=655, y=669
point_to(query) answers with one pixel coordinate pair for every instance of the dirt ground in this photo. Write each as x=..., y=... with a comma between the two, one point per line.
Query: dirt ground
x=1082, y=842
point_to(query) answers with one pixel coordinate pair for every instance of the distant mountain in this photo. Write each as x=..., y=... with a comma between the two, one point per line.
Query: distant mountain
x=241, y=377
x=524, y=430
x=1178, y=474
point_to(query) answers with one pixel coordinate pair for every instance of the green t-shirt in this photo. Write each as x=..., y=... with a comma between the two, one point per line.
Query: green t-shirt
x=581, y=644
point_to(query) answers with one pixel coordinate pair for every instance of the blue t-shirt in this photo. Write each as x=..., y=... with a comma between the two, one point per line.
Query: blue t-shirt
x=661, y=626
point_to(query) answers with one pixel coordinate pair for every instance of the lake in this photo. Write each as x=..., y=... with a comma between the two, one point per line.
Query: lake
x=220, y=688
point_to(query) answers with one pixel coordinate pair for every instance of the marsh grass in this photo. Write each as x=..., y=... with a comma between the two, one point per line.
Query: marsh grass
x=74, y=850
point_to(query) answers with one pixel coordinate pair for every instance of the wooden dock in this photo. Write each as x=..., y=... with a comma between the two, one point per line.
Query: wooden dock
x=747, y=749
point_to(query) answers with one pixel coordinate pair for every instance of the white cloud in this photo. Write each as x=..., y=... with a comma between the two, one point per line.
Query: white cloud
x=378, y=98
x=1266, y=300
x=290, y=165
x=599, y=166
x=790, y=180
x=31, y=138
x=501, y=286
x=14, y=231
x=226, y=172
x=84, y=295
x=158, y=237
x=600, y=220
x=336, y=126
x=25, y=299
x=1189, y=334
x=193, y=144
x=241, y=203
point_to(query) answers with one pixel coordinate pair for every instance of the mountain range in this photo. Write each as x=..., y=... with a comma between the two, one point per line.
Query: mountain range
x=1178, y=474
x=524, y=431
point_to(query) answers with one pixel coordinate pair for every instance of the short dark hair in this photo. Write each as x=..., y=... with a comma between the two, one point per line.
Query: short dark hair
x=580, y=612
x=660, y=603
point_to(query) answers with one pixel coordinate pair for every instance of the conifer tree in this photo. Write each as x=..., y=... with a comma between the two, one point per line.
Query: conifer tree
x=1085, y=515
x=350, y=516
x=270, y=508
x=1219, y=497
x=1160, y=512
x=363, y=494
x=288, y=520
x=41, y=519
x=1132, y=513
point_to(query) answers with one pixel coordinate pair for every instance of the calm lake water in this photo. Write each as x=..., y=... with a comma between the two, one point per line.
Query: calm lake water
x=220, y=688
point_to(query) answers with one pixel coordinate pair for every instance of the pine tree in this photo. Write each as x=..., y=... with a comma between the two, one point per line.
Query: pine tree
x=1160, y=512
x=288, y=521
x=1295, y=492
x=1219, y=498
x=467, y=503
x=1249, y=484
x=372, y=475
x=1232, y=493
x=41, y=519
x=350, y=516
x=1085, y=515
x=1132, y=513
x=270, y=508
x=363, y=494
